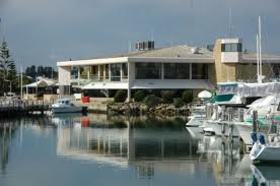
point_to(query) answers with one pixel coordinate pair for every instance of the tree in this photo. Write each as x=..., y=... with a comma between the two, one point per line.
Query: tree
x=7, y=69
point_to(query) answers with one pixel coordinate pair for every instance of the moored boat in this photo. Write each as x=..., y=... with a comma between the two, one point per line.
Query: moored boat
x=64, y=105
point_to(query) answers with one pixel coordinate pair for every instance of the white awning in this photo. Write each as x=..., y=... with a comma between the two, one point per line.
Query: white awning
x=41, y=83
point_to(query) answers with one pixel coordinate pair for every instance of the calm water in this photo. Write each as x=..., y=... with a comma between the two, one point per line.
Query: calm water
x=97, y=150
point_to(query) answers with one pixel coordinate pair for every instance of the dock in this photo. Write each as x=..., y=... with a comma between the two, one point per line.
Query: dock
x=19, y=107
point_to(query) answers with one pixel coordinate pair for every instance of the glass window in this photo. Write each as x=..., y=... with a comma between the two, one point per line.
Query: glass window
x=232, y=47
x=115, y=72
x=176, y=71
x=124, y=70
x=148, y=70
x=199, y=71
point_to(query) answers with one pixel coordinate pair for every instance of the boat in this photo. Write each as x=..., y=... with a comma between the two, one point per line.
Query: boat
x=266, y=146
x=64, y=105
x=195, y=121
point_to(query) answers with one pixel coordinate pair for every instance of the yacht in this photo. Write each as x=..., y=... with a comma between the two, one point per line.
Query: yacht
x=64, y=105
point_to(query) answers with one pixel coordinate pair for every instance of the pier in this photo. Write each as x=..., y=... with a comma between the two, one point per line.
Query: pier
x=19, y=107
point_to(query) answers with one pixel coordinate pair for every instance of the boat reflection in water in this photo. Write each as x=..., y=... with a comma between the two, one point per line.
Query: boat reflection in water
x=266, y=175
x=145, y=149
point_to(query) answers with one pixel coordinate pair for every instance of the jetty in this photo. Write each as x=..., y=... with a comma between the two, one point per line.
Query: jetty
x=20, y=107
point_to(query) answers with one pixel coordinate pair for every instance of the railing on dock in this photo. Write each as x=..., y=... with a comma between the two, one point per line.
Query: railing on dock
x=15, y=106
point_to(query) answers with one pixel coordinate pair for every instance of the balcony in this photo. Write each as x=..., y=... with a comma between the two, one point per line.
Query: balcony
x=84, y=80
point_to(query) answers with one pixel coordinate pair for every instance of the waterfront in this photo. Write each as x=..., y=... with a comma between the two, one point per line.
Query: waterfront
x=97, y=150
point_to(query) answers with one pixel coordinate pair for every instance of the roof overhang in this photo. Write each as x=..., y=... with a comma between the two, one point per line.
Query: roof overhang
x=92, y=62
x=170, y=60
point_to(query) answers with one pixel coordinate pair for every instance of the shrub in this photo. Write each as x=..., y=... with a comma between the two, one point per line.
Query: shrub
x=120, y=96
x=178, y=102
x=167, y=96
x=152, y=100
x=139, y=95
x=187, y=96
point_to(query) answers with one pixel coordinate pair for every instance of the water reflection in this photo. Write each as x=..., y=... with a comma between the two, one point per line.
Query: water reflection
x=135, y=145
x=132, y=144
x=266, y=175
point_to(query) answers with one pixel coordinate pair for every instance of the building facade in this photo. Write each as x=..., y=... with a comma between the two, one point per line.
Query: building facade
x=173, y=68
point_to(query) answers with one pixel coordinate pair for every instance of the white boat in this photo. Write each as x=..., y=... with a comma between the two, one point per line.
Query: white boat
x=195, y=122
x=265, y=151
x=64, y=105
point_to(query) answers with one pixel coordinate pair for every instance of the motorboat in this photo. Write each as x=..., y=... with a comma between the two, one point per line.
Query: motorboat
x=64, y=105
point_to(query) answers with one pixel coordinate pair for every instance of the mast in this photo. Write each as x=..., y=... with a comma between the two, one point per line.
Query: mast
x=260, y=47
x=259, y=52
x=258, y=61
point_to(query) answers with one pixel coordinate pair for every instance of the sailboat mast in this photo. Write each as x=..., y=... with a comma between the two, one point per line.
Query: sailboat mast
x=260, y=47
x=258, y=61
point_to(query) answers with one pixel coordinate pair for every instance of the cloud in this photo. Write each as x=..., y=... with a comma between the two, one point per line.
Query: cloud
x=46, y=30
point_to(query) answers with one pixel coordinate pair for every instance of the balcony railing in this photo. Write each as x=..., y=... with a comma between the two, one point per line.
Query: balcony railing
x=93, y=78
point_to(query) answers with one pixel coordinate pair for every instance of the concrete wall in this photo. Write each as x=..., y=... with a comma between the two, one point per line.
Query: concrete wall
x=64, y=76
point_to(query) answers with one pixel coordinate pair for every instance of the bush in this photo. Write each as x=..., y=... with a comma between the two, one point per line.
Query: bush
x=167, y=96
x=187, y=96
x=178, y=102
x=120, y=96
x=139, y=95
x=152, y=100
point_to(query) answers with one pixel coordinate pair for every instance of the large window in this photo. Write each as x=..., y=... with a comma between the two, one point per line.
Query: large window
x=232, y=47
x=148, y=70
x=124, y=70
x=199, y=71
x=115, y=72
x=176, y=71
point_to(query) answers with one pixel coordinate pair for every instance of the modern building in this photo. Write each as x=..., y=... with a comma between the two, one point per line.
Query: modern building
x=172, y=68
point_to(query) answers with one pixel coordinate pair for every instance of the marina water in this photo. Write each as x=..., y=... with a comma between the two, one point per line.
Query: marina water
x=102, y=150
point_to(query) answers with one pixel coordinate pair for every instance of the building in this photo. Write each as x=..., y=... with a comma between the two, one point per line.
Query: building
x=172, y=68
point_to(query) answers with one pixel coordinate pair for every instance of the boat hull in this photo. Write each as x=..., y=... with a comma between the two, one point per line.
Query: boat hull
x=263, y=153
x=57, y=110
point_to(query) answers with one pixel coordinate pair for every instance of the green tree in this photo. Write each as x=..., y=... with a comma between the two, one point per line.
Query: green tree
x=8, y=75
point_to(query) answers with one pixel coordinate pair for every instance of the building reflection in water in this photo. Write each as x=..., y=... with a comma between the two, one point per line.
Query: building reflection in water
x=146, y=149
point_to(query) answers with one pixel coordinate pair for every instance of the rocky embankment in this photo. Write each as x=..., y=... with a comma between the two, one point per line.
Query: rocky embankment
x=137, y=109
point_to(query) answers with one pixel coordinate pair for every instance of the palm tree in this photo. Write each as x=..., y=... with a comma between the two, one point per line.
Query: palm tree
x=7, y=68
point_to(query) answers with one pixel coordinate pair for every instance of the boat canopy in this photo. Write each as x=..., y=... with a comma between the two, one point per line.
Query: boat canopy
x=249, y=89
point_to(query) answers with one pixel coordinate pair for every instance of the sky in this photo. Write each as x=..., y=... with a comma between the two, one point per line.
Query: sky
x=42, y=32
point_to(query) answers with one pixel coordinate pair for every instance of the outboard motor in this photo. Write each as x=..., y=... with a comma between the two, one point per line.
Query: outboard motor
x=254, y=137
x=262, y=139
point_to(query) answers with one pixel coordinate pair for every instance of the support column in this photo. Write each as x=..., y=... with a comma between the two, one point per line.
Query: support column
x=88, y=74
x=129, y=76
x=79, y=75
x=121, y=71
x=110, y=74
x=98, y=72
